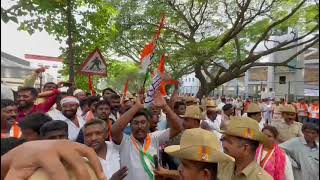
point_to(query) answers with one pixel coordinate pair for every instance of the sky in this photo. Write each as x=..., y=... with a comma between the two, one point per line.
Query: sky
x=18, y=43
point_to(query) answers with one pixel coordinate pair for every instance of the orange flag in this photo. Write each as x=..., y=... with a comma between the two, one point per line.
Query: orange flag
x=161, y=69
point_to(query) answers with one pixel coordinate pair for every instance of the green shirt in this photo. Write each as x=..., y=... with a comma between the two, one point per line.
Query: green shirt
x=252, y=172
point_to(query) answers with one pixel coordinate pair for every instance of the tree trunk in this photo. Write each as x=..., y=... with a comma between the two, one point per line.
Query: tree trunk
x=203, y=89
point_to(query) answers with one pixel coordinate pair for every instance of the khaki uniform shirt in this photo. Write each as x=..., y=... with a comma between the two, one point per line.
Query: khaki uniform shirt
x=252, y=172
x=286, y=131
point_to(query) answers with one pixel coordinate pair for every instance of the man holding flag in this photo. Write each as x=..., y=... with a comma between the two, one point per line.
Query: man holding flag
x=137, y=150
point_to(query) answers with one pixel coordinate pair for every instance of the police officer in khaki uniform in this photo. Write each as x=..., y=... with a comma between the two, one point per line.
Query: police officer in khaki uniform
x=199, y=152
x=240, y=140
x=288, y=127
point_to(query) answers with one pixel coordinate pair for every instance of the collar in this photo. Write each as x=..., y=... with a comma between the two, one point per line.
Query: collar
x=249, y=169
x=303, y=141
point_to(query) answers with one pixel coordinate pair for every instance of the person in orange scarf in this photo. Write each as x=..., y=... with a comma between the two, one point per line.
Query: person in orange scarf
x=274, y=160
x=9, y=126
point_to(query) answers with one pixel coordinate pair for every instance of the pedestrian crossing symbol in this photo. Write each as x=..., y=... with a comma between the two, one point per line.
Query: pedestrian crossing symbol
x=94, y=64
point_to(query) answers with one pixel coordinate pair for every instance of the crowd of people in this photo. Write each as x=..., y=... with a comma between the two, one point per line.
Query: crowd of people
x=179, y=137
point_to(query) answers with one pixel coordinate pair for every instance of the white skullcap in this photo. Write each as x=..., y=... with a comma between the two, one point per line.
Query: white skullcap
x=77, y=91
x=69, y=99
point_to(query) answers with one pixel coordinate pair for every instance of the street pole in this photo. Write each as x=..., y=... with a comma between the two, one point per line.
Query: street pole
x=69, y=42
x=222, y=93
x=289, y=90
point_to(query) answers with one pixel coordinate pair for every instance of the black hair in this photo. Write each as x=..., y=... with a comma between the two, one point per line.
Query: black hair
x=252, y=143
x=93, y=122
x=102, y=102
x=7, y=102
x=33, y=90
x=250, y=114
x=272, y=129
x=92, y=99
x=310, y=126
x=108, y=89
x=178, y=104
x=60, y=96
x=114, y=96
x=83, y=103
x=50, y=83
x=227, y=107
x=34, y=121
x=10, y=143
x=144, y=112
x=53, y=126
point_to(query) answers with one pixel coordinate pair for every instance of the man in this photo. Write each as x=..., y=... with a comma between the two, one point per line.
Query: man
x=95, y=132
x=80, y=94
x=223, y=101
x=314, y=112
x=107, y=93
x=240, y=141
x=154, y=122
x=276, y=114
x=9, y=126
x=267, y=110
x=302, y=109
x=201, y=160
x=69, y=105
x=255, y=113
x=180, y=108
x=55, y=113
x=228, y=111
x=30, y=126
x=271, y=94
x=304, y=153
x=54, y=130
x=26, y=99
x=213, y=119
x=140, y=164
x=115, y=107
x=288, y=127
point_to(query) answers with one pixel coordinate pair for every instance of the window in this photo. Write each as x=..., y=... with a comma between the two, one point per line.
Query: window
x=55, y=66
x=192, y=79
x=189, y=79
x=282, y=79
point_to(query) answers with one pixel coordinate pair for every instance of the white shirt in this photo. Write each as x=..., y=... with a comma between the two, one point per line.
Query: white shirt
x=73, y=130
x=111, y=163
x=130, y=157
x=221, y=105
x=55, y=114
x=214, y=125
x=162, y=124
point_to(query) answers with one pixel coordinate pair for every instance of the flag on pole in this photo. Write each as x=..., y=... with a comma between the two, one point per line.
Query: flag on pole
x=125, y=91
x=149, y=49
x=161, y=70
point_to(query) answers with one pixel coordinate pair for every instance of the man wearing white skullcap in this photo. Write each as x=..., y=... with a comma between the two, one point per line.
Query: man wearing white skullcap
x=69, y=106
x=80, y=94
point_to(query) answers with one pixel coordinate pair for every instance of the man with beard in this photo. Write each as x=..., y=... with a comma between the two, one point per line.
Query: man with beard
x=108, y=152
x=69, y=105
x=288, y=128
x=55, y=113
x=240, y=141
x=115, y=107
x=9, y=127
x=137, y=150
x=26, y=102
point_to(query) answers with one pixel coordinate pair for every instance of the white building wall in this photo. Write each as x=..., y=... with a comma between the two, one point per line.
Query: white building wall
x=52, y=73
x=190, y=84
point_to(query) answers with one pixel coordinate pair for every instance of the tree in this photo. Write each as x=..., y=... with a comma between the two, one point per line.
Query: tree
x=88, y=22
x=199, y=34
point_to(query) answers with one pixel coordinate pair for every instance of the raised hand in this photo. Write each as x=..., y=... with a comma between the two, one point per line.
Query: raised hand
x=158, y=100
x=120, y=174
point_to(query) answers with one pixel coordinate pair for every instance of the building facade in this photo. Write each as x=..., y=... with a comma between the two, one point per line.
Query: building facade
x=53, y=64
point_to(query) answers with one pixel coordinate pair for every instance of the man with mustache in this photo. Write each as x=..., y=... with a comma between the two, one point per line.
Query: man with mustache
x=137, y=150
x=9, y=127
x=288, y=128
x=26, y=102
x=95, y=132
x=69, y=106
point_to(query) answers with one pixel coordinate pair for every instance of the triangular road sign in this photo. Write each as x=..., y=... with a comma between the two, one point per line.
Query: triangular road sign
x=94, y=64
